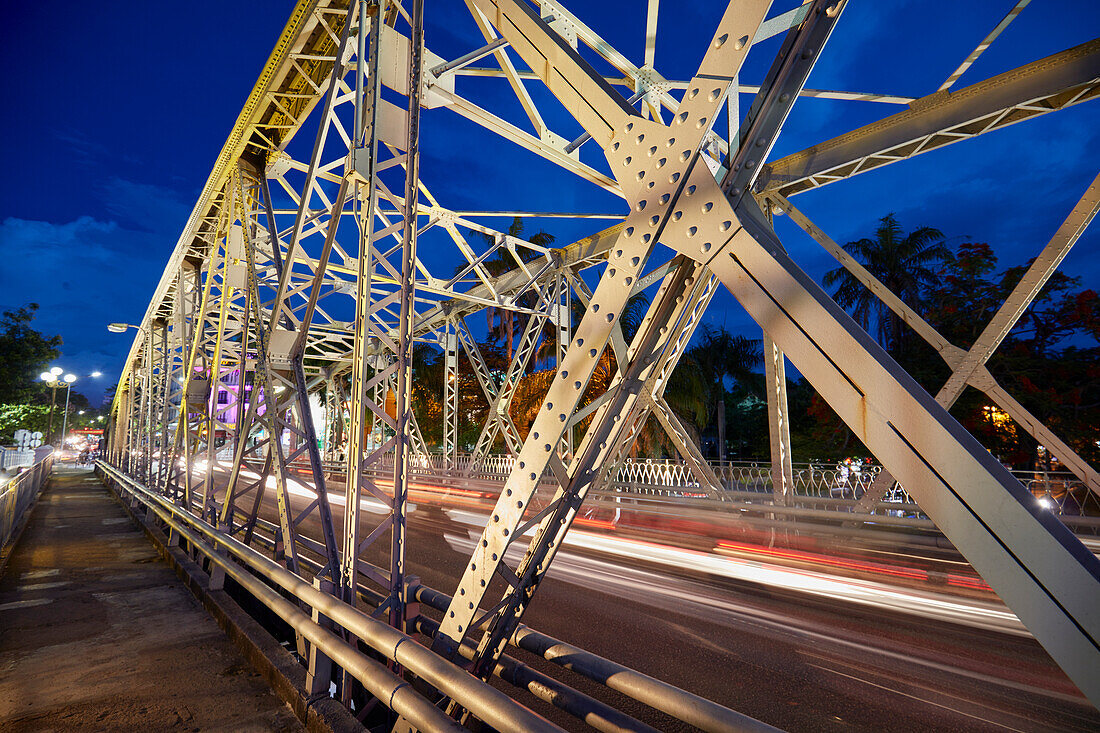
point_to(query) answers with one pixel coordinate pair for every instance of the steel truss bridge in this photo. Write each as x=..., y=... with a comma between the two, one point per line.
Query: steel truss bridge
x=310, y=267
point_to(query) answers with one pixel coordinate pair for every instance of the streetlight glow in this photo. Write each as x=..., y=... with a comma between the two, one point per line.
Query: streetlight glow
x=54, y=379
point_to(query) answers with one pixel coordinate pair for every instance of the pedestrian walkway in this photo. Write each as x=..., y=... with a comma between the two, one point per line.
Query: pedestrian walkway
x=97, y=633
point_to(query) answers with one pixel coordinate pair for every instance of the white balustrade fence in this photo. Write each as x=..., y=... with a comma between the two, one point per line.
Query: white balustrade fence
x=1059, y=491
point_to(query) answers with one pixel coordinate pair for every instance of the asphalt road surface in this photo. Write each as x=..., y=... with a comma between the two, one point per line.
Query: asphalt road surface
x=798, y=648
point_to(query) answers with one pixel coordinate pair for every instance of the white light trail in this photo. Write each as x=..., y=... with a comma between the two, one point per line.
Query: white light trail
x=910, y=601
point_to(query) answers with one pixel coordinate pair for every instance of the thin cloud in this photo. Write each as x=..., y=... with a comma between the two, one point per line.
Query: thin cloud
x=84, y=274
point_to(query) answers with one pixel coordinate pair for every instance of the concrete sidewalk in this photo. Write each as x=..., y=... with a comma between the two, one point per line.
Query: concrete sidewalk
x=97, y=633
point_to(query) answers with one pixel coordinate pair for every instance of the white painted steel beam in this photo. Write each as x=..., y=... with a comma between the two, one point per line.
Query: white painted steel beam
x=1055, y=82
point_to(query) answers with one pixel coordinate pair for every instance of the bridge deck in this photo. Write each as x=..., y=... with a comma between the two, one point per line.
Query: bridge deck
x=96, y=632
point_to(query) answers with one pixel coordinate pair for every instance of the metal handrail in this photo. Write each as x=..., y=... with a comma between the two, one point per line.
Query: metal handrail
x=680, y=704
x=816, y=479
x=480, y=698
x=17, y=496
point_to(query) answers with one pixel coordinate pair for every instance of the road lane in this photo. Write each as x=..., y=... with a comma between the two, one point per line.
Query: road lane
x=797, y=660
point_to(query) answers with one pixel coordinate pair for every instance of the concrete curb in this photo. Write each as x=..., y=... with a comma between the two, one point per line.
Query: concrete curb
x=275, y=664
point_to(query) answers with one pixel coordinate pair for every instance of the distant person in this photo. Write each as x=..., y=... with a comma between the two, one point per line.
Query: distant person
x=843, y=469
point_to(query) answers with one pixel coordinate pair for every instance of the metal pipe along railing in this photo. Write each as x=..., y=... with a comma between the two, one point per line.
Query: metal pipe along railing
x=482, y=700
x=680, y=704
x=393, y=691
x=596, y=714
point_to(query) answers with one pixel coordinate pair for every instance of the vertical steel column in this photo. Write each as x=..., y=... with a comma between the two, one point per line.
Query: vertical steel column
x=133, y=418
x=779, y=429
x=332, y=406
x=149, y=398
x=450, y=395
x=562, y=326
x=779, y=432
x=363, y=158
x=137, y=410
x=121, y=438
x=341, y=418
x=249, y=416
x=276, y=421
x=403, y=443
x=214, y=377
x=194, y=405
x=188, y=289
x=164, y=399
x=140, y=408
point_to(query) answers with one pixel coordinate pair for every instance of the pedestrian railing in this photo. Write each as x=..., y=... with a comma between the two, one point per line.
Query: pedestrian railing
x=13, y=457
x=819, y=485
x=17, y=496
x=1058, y=491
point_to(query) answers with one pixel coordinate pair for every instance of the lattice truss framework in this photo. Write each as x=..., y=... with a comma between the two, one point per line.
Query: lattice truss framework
x=299, y=272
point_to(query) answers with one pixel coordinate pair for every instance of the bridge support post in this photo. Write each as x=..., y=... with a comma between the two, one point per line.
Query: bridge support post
x=319, y=665
x=779, y=431
x=450, y=395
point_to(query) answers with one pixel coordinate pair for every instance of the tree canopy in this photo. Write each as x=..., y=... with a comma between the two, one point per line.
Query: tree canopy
x=22, y=417
x=24, y=354
x=1050, y=361
x=906, y=264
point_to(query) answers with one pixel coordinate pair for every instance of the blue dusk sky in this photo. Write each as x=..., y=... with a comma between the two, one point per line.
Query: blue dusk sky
x=117, y=111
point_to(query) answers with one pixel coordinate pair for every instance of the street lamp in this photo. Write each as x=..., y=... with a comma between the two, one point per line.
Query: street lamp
x=54, y=379
x=69, y=379
x=121, y=328
x=51, y=378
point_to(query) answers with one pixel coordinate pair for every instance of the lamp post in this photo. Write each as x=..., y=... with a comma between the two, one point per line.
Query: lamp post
x=54, y=379
x=69, y=379
x=120, y=328
x=50, y=378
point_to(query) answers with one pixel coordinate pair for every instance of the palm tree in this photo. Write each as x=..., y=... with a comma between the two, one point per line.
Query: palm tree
x=718, y=356
x=688, y=393
x=906, y=264
x=427, y=391
x=502, y=322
